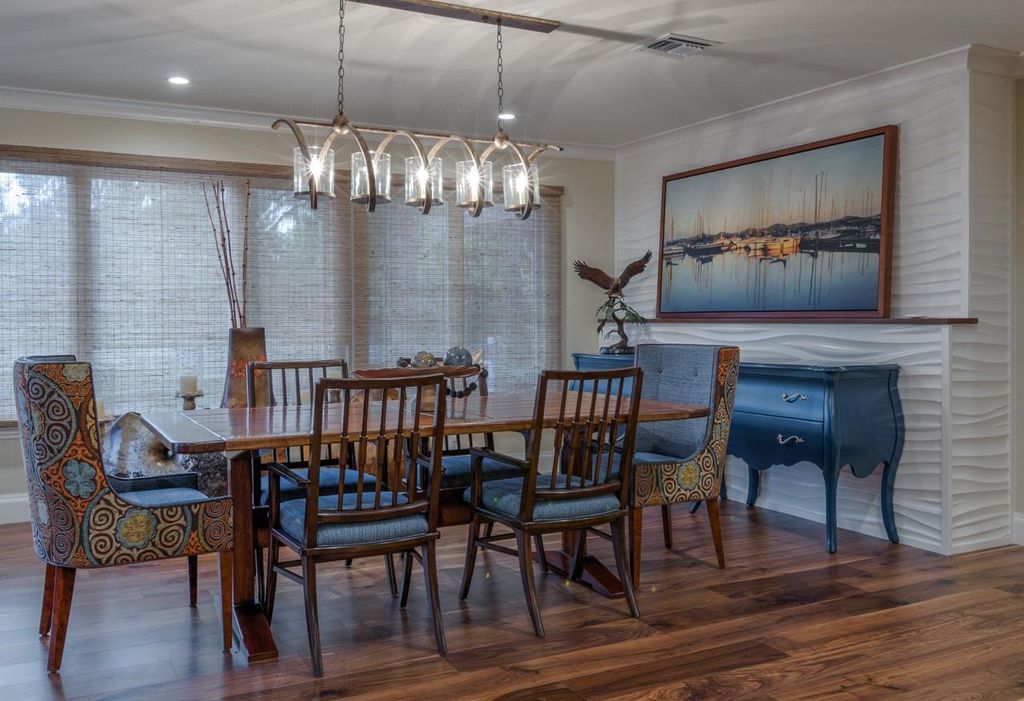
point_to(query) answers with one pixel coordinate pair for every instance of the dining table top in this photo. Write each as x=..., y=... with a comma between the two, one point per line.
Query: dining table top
x=229, y=430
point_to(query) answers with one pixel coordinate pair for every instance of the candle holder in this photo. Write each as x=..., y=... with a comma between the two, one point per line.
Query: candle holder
x=188, y=399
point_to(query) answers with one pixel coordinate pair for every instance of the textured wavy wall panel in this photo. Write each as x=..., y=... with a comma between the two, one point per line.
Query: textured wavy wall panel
x=952, y=489
x=981, y=504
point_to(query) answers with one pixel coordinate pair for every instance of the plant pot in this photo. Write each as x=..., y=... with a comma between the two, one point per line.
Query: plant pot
x=244, y=345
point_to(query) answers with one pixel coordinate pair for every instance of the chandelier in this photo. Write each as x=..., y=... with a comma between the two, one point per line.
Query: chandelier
x=370, y=175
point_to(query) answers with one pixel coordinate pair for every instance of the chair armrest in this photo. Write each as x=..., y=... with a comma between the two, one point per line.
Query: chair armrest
x=286, y=472
x=179, y=480
x=498, y=457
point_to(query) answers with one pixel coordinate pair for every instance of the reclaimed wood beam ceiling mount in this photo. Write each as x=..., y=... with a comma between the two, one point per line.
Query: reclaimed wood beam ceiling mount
x=469, y=14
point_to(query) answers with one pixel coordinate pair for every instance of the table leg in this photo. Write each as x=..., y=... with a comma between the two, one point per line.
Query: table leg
x=831, y=492
x=251, y=625
x=595, y=575
x=888, y=514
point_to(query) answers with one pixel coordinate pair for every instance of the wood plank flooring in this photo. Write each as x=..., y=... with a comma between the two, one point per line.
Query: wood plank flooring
x=785, y=620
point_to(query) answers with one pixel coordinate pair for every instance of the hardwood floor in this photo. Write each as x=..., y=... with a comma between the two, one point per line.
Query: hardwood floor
x=784, y=620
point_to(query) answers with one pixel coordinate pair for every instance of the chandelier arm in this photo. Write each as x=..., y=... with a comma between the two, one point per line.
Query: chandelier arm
x=371, y=178
x=304, y=150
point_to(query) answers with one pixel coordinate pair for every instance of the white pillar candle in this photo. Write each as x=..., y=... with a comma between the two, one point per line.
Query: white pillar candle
x=188, y=384
x=101, y=412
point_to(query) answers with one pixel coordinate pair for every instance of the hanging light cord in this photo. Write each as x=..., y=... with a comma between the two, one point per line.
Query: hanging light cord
x=341, y=57
x=501, y=86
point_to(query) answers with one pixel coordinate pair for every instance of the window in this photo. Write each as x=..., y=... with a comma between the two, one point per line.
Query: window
x=112, y=258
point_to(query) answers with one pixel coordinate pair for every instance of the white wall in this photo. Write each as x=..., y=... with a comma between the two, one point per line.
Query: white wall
x=587, y=215
x=951, y=259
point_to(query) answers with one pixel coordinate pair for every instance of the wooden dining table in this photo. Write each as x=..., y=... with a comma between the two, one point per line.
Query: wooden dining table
x=239, y=433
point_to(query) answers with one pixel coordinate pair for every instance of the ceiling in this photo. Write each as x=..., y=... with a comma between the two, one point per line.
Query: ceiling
x=579, y=85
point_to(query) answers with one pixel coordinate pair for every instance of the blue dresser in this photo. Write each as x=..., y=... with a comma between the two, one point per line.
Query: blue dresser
x=832, y=417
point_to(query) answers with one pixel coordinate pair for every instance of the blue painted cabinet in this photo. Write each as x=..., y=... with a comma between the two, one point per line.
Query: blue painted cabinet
x=833, y=417
x=602, y=361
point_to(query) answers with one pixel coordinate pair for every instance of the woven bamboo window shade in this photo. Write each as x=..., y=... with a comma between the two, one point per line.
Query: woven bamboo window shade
x=112, y=258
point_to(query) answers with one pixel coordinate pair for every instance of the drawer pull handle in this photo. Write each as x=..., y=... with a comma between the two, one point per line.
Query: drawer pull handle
x=788, y=441
x=787, y=397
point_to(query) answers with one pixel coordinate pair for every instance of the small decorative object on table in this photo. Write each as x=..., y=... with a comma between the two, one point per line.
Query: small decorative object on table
x=188, y=399
x=424, y=359
x=615, y=308
x=458, y=356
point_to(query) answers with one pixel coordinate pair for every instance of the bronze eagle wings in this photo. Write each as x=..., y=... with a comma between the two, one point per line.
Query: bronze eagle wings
x=606, y=281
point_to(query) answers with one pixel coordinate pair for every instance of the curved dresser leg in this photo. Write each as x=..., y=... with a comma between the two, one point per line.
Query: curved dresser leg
x=753, y=485
x=888, y=514
x=831, y=492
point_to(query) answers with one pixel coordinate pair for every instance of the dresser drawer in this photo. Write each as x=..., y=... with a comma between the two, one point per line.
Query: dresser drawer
x=763, y=441
x=781, y=396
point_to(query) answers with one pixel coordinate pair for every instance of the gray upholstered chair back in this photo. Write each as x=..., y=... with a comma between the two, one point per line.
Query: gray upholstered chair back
x=677, y=372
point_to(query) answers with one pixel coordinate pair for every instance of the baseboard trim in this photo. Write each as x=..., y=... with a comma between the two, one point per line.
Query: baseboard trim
x=14, y=508
x=1018, y=529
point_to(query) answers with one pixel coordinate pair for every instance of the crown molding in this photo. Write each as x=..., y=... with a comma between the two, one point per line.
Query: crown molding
x=988, y=59
x=118, y=108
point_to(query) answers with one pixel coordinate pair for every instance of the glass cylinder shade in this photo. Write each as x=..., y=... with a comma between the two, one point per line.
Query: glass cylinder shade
x=417, y=178
x=320, y=166
x=360, y=189
x=472, y=183
x=520, y=184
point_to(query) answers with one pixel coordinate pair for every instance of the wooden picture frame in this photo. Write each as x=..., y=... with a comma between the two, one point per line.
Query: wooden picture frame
x=765, y=238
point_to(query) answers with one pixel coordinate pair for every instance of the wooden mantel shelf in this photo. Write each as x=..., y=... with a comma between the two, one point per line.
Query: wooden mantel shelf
x=897, y=320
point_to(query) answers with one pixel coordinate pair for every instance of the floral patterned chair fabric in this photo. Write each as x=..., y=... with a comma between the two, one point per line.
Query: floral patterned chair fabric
x=78, y=520
x=683, y=461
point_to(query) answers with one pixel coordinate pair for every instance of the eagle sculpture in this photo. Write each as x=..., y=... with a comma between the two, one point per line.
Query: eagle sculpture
x=615, y=308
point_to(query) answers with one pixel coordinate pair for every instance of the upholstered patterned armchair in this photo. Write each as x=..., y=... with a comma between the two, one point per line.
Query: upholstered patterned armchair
x=78, y=519
x=682, y=461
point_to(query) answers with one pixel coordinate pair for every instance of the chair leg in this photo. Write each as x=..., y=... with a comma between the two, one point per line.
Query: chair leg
x=226, y=568
x=433, y=600
x=46, y=616
x=666, y=526
x=406, y=578
x=489, y=530
x=271, y=589
x=716, y=531
x=526, y=574
x=261, y=578
x=64, y=587
x=471, y=548
x=389, y=565
x=538, y=541
x=621, y=562
x=636, y=535
x=312, y=619
x=348, y=562
x=193, y=579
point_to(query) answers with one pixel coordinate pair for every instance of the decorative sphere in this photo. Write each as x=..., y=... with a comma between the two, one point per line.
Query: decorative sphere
x=424, y=359
x=458, y=356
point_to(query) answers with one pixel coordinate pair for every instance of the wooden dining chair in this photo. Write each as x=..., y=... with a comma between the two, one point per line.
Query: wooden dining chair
x=460, y=382
x=79, y=520
x=682, y=461
x=371, y=518
x=585, y=484
x=291, y=383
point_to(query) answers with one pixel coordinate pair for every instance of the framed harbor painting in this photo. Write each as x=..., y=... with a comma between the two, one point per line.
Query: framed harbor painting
x=801, y=232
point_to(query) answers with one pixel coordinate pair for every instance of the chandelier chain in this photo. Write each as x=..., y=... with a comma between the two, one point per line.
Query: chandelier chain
x=501, y=86
x=341, y=56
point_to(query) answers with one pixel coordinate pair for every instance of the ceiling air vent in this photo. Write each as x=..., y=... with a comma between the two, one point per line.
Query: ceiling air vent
x=676, y=45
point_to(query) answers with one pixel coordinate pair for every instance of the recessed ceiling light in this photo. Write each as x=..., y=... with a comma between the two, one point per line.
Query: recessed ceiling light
x=506, y=115
x=178, y=80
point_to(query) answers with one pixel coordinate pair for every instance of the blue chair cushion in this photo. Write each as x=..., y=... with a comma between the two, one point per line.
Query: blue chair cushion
x=503, y=497
x=186, y=480
x=174, y=496
x=457, y=473
x=655, y=459
x=328, y=483
x=293, y=514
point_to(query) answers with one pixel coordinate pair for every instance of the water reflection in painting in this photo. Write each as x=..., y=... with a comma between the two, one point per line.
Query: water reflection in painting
x=801, y=232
